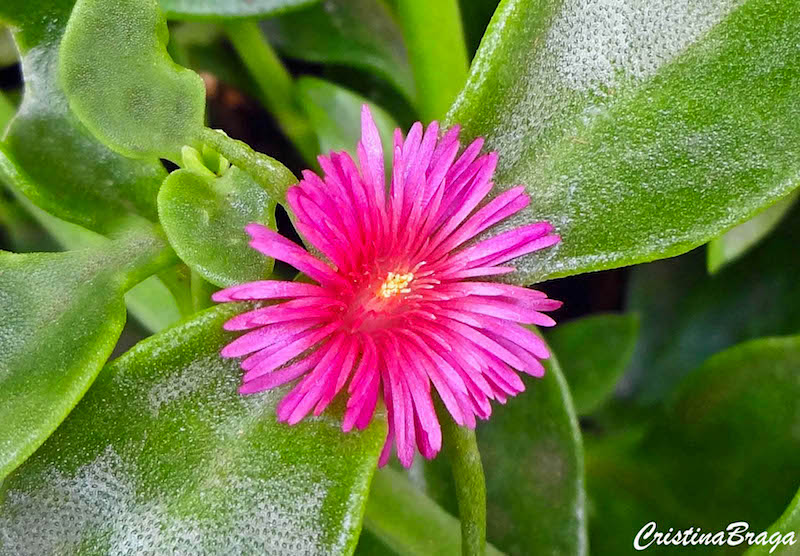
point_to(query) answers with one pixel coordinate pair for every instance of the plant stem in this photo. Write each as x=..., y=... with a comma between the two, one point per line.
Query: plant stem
x=275, y=84
x=461, y=449
x=409, y=522
x=201, y=292
x=273, y=176
x=7, y=111
x=435, y=40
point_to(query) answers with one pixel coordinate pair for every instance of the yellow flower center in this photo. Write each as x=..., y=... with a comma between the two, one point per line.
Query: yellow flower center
x=394, y=284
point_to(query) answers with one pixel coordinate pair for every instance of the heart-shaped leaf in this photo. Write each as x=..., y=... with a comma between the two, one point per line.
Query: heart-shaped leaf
x=62, y=315
x=357, y=33
x=150, y=302
x=686, y=315
x=594, y=352
x=122, y=84
x=71, y=173
x=204, y=218
x=228, y=9
x=163, y=455
x=737, y=241
x=640, y=130
x=335, y=114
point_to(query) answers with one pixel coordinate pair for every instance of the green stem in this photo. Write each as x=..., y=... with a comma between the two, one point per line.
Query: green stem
x=461, y=449
x=268, y=172
x=176, y=279
x=437, y=52
x=7, y=111
x=201, y=292
x=409, y=522
x=274, y=83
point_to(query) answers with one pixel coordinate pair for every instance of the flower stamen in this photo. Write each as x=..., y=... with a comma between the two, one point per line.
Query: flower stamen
x=395, y=283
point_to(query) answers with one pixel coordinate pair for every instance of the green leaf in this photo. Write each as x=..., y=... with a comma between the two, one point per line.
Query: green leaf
x=690, y=469
x=123, y=85
x=335, y=114
x=204, y=218
x=8, y=52
x=737, y=241
x=62, y=315
x=164, y=456
x=438, y=58
x=67, y=171
x=408, y=522
x=686, y=315
x=746, y=395
x=533, y=458
x=150, y=302
x=640, y=131
x=594, y=352
x=789, y=522
x=358, y=33
x=229, y=9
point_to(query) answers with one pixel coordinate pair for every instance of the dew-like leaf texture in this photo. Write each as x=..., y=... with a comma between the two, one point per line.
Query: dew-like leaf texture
x=594, y=352
x=204, y=218
x=533, y=461
x=71, y=173
x=149, y=302
x=357, y=33
x=335, y=114
x=62, y=315
x=229, y=9
x=687, y=316
x=641, y=129
x=737, y=241
x=163, y=456
x=122, y=84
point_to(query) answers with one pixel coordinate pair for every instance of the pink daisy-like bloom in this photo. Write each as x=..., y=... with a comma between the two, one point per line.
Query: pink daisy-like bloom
x=402, y=303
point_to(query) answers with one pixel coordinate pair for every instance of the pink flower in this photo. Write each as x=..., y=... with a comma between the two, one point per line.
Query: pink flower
x=401, y=303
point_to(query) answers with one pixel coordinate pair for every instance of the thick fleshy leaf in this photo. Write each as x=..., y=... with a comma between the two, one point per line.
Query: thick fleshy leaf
x=228, y=9
x=402, y=520
x=788, y=523
x=640, y=129
x=71, y=173
x=335, y=114
x=691, y=468
x=746, y=395
x=533, y=460
x=686, y=315
x=122, y=84
x=594, y=352
x=149, y=302
x=357, y=33
x=164, y=456
x=737, y=241
x=62, y=315
x=204, y=218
